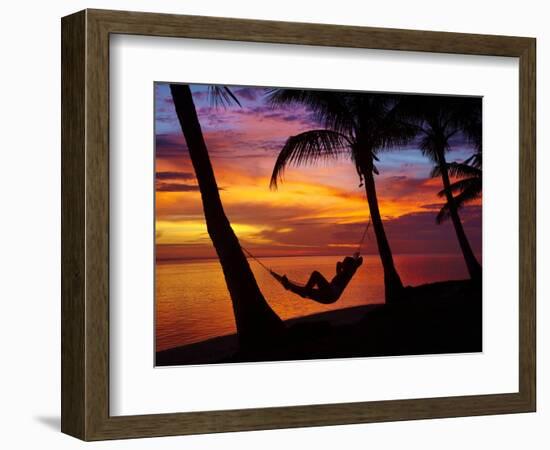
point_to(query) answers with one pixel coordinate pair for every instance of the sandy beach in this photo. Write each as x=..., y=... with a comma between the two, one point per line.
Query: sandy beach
x=442, y=317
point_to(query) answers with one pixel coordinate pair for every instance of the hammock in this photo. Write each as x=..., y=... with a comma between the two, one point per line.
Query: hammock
x=281, y=278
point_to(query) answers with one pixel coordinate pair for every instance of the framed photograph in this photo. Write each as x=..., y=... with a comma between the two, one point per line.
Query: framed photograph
x=270, y=225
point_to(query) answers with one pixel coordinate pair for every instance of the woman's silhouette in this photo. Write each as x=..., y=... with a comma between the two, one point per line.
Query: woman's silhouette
x=318, y=288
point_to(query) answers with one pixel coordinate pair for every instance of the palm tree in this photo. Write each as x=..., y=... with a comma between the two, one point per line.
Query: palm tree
x=356, y=125
x=438, y=120
x=256, y=322
x=467, y=188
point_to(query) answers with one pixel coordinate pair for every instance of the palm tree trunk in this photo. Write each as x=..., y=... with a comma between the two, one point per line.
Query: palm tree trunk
x=392, y=282
x=256, y=322
x=474, y=268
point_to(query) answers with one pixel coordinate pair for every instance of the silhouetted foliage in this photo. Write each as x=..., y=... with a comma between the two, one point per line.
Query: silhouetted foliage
x=358, y=126
x=438, y=119
x=467, y=188
x=257, y=324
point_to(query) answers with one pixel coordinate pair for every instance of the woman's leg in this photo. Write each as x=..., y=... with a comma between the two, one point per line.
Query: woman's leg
x=297, y=289
x=317, y=289
x=317, y=279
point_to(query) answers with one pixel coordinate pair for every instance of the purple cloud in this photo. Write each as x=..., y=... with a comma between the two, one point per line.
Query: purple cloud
x=176, y=187
x=175, y=176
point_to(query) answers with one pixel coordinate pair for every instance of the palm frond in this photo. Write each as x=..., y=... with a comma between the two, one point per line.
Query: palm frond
x=468, y=113
x=461, y=170
x=475, y=160
x=440, y=118
x=394, y=131
x=457, y=170
x=436, y=171
x=330, y=109
x=309, y=147
x=470, y=190
x=467, y=196
x=466, y=184
x=443, y=214
x=429, y=145
x=221, y=96
x=393, y=134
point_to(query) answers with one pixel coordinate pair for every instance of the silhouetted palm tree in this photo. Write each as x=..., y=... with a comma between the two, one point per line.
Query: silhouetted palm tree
x=439, y=119
x=357, y=125
x=467, y=188
x=256, y=322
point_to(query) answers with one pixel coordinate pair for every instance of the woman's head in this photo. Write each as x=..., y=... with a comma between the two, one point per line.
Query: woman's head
x=350, y=263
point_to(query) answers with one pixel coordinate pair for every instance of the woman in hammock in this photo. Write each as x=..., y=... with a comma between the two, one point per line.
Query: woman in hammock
x=318, y=288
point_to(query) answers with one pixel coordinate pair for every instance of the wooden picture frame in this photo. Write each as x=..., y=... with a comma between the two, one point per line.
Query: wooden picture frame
x=85, y=224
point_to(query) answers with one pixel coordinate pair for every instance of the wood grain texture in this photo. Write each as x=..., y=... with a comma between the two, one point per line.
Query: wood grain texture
x=85, y=224
x=527, y=224
x=97, y=226
x=152, y=24
x=72, y=224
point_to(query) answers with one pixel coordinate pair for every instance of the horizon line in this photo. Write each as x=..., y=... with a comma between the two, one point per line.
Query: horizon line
x=205, y=258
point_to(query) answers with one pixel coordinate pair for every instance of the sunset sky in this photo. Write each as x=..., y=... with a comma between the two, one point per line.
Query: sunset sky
x=316, y=210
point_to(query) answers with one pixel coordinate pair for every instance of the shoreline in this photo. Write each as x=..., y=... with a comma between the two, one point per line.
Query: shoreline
x=227, y=344
x=442, y=317
x=335, y=255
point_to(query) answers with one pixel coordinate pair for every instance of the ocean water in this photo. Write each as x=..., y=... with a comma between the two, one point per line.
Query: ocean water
x=192, y=302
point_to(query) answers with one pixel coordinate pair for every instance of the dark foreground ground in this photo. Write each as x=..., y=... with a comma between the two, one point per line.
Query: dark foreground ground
x=432, y=318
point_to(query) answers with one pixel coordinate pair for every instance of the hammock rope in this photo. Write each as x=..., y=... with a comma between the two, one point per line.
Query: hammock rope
x=256, y=259
x=279, y=277
x=363, y=237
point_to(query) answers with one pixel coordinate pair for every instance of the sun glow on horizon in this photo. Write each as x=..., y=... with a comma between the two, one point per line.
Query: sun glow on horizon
x=320, y=207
